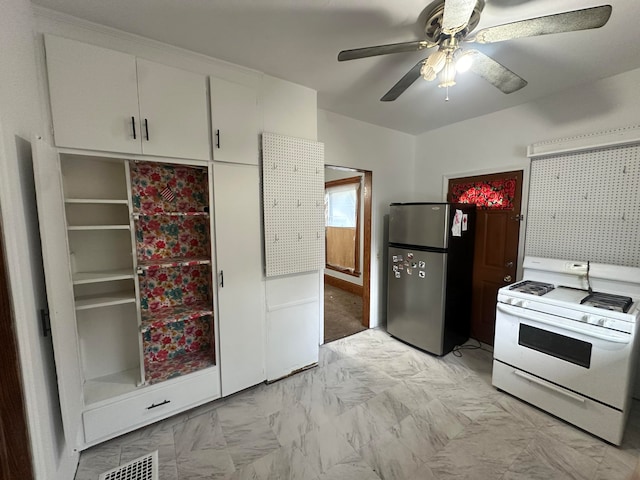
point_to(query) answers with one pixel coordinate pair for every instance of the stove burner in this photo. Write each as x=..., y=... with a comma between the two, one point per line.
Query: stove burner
x=532, y=288
x=606, y=301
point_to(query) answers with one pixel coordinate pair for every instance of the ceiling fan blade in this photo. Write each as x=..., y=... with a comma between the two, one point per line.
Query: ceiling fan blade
x=384, y=50
x=584, y=19
x=495, y=73
x=456, y=15
x=404, y=83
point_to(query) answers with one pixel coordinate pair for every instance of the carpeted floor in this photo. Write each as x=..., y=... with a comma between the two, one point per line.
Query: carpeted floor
x=342, y=313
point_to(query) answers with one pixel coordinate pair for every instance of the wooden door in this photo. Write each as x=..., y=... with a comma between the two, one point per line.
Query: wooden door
x=94, y=96
x=234, y=122
x=174, y=121
x=15, y=455
x=498, y=199
x=241, y=319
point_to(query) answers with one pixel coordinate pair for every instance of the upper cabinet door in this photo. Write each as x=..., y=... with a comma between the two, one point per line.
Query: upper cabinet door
x=173, y=112
x=235, y=122
x=94, y=96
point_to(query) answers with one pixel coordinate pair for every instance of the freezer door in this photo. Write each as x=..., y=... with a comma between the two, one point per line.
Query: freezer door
x=416, y=294
x=419, y=224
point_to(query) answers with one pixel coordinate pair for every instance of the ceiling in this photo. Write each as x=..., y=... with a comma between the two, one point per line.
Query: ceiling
x=298, y=40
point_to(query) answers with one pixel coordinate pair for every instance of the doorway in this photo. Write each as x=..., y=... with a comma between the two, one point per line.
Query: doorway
x=347, y=251
x=498, y=198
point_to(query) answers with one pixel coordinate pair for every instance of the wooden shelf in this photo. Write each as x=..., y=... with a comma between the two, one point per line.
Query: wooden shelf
x=97, y=201
x=87, y=228
x=109, y=386
x=172, y=262
x=81, y=278
x=168, y=315
x=104, y=300
x=170, y=214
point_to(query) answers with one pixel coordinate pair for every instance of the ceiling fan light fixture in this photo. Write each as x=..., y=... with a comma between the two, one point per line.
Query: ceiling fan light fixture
x=433, y=64
x=448, y=26
x=427, y=72
x=448, y=75
x=437, y=60
x=464, y=61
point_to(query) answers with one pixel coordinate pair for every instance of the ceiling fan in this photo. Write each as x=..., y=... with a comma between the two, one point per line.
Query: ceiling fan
x=449, y=25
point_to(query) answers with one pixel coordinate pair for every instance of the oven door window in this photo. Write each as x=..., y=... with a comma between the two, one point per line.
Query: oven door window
x=559, y=346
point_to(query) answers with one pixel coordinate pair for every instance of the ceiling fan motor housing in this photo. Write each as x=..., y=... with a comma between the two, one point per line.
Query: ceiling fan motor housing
x=433, y=26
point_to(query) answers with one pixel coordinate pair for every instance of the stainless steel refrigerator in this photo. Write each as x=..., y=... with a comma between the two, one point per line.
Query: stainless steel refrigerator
x=430, y=271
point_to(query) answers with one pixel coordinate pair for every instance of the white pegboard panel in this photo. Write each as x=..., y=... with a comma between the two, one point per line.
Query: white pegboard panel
x=293, y=204
x=586, y=206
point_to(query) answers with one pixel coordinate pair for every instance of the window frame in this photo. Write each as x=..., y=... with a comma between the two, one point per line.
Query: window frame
x=357, y=180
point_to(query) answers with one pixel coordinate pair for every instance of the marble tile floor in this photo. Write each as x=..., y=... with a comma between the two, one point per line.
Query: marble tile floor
x=373, y=409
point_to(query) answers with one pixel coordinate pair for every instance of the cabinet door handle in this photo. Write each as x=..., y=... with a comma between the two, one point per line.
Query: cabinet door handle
x=156, y=405
x=133, y=126
x=218, y=138
x=221, y=278
x=146, y=128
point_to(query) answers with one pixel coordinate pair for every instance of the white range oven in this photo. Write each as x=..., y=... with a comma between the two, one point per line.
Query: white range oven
x=566, y=341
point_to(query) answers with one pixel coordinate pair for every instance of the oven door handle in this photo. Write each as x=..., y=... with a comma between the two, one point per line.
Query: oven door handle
x=536, y=317
x=548, y=385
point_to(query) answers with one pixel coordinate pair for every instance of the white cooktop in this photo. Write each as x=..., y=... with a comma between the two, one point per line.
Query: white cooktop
x=613, y=279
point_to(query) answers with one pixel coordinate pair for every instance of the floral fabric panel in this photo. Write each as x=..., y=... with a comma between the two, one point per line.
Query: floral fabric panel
x=493, y=194
x=178, y=338
x=160, y=371
x=160, y=237
x=175, y=286
x=178, y=343
x=158, y=188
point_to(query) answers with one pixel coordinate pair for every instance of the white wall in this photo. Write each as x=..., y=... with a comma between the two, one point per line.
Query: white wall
x=500, y=139
x=389, y=154
x=19, y=120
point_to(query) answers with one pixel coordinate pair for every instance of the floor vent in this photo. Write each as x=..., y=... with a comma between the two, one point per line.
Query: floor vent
x=143, y=468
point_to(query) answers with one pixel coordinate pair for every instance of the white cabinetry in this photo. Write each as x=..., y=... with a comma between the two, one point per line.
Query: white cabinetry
x=151, y=314
x=94, y=96
x=241, y=304
x=112, y=101
x=235, y=122
x=173, y=112
x=128, y=259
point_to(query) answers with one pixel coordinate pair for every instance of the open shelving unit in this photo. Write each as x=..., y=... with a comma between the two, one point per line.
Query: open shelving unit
x=100, y=241
x=173, y=265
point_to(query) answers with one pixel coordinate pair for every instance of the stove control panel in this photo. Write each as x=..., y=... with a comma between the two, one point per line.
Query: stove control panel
x=516, y=302
x=572, y=312
x=602, y=322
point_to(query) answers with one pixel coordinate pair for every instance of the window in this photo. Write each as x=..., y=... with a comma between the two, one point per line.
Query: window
x=342, y=212
x=341, y=202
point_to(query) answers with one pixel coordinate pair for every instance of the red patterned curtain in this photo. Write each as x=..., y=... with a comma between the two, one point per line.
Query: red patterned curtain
x=492, y=194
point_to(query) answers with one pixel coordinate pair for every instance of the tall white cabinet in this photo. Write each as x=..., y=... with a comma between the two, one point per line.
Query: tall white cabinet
x=153, y=264
x=242, y=316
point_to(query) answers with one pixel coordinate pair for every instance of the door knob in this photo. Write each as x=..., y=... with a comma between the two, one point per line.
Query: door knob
x=508, y=264
x=507, y=278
